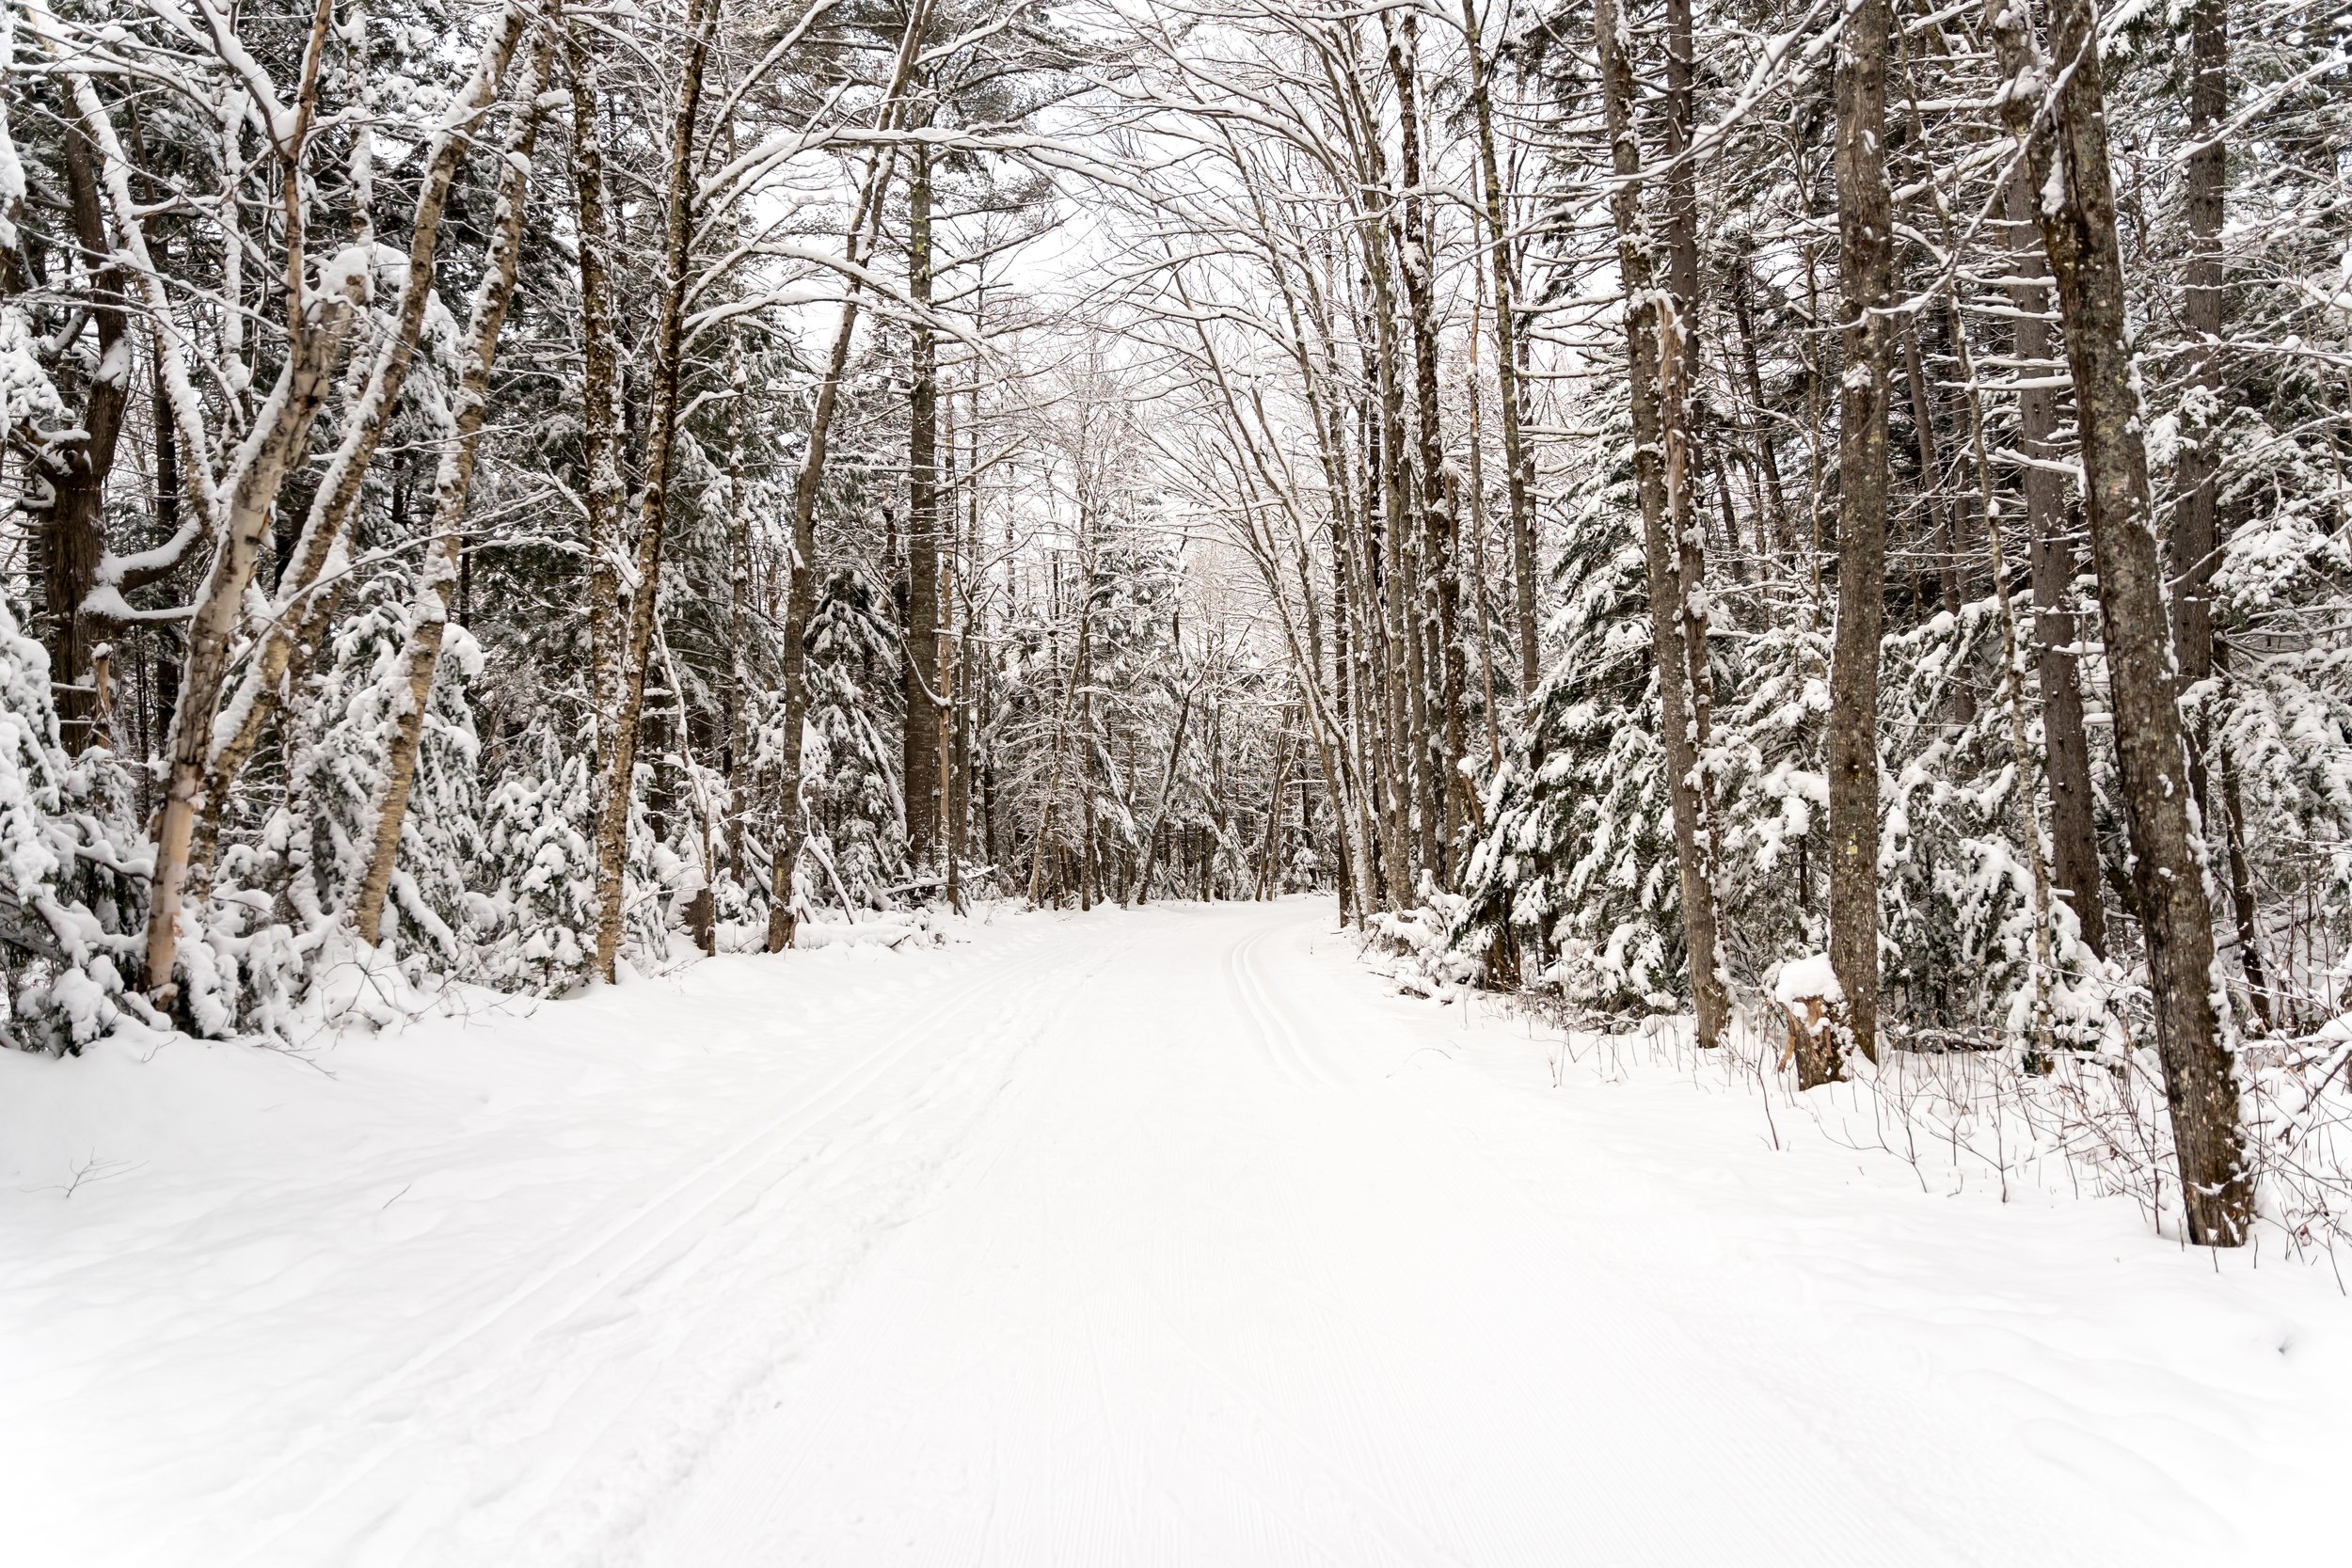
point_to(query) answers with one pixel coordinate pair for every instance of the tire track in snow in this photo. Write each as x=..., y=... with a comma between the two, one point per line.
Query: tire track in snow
x=978, y=1163
x=597, y=1269
x=1279, y=1005
x=1417, y=1151
x=1276, y=1039
x=1750, y=1430
x=1238, y=991
x=983, y=1083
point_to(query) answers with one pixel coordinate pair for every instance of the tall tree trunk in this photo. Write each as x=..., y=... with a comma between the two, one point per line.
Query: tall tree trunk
x=317, y=326
x=1678, y=413
x=920, y=761
x=944, y=657
x=736, y=720
x=302, y=610
x=2242, y=885
x=2196, y=543
x=2066, y=741
x=1418, y=812
x=601, y=415
x=1518, y=459
x=2169, y=872
x=1061, y=745
x=1762, y=430
x=1865, y=269
x=1645, y=349
x=1158, y=833
x=1343, y=709
x=1943, y=513
x=428, y=619
x=1478, y=560
x=1388, y=765
x=801, y=578
x=1448, y=677
x=74, y=466
x=660, y=435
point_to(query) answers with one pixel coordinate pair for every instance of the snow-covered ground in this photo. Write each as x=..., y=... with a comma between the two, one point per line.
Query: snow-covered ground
x=1170, y=1236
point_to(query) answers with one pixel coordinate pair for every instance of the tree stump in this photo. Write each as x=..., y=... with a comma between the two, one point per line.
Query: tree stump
x=1813, y=1005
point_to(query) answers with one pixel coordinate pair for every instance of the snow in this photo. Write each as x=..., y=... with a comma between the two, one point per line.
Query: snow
x=1164, y=1236
x=346, y=274
x=1801, y=979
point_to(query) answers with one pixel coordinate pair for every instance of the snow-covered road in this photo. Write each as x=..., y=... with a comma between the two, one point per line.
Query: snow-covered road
x=1159, y=1237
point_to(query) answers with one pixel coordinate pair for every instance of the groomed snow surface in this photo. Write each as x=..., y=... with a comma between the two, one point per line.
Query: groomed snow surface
x=1159, y=1237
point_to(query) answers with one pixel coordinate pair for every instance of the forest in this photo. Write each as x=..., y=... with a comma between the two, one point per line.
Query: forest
x=1825, y=517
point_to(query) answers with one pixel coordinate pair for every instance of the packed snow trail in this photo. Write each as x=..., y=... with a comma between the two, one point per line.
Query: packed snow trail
x=1153, y=1237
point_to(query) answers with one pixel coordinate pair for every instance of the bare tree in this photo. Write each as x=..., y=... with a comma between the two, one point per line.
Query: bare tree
x=2057, y=99
x=1865, y=268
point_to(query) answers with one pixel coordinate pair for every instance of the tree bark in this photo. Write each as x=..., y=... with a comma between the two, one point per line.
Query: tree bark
x=735, y=720
x=801, y=577
x=1061, y=743
x=1943, y=513
x=445, y=548
x=2169, y=872
x=661, y=435
x=946, y=710
x=1645, y=353
x=1446, y=739
x=74, y=468
x=600, y=416
x=302, y=614
x=317, y=326
x=1761, y=430
x=1518, y=465
x=801, y=589
x=920, y=770
x=2196, y=535
x=2066, y=742
x=1865, y=268
x=2196, y=543
x=1678, y=362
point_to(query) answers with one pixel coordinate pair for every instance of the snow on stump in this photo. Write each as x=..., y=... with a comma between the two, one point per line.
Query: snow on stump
x=1814, y=1005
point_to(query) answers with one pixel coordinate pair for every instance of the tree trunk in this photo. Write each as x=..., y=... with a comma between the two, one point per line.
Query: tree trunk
x=600, y=417
x=1349, y=720
x=2066, y=741
x=920, y=761
x=801, y=592
x=1865, y=267
x=1478, y=562
x=948, y=713
x=2242, y=888
x=2196, y=535
x=736, y=717
x=1159, y=835
x=317, y=326
x=1679, y=417
x=1644, y=345
x=445, y=546
x=2196, y=543
x=1519, y=463
x=1448, y=677
x=2169, y=872
x=1061, y=745
x=1943, y=513
x=660, y=434
x=303, y=612
x=1762, y=430
x=72, y=531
